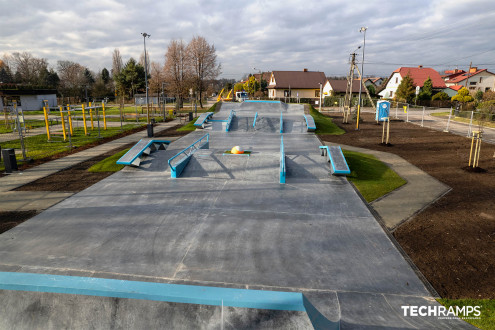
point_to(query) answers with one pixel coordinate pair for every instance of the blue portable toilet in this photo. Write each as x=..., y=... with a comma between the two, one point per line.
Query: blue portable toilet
x=382, y=110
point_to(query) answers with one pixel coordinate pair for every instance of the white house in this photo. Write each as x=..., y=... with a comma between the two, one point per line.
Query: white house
x=419, y=75
x=474, y=80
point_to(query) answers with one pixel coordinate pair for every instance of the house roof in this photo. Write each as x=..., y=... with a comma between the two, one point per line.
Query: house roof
x=340, y=85
x=465, y=76
x=298, y=79
x=266, y=76
x=419, y=75
x=456, y=87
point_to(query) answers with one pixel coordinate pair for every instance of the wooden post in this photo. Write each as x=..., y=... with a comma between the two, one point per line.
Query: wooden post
x=388, y=129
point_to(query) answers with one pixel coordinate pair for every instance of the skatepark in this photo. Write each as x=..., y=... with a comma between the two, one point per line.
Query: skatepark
x=225, y=222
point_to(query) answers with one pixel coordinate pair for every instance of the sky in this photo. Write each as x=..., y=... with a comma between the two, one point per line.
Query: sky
x=261, y=34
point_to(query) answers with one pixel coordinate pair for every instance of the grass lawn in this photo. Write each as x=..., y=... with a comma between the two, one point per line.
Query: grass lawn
x=371, y=177
x=324, y=124
x=487, y=307
x=38, y=147
x=109, y=164
x=29, y=123
x=189, y=126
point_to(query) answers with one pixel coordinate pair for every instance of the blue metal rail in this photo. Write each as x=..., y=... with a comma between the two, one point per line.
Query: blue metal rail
x=261, y=101
x=282, y=161
x=229, y=120
x=178, y=162
x=255, y=117
x=281, y=123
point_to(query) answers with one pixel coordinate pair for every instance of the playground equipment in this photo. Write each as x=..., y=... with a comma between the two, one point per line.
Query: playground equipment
x=385, y=137
x=477, y=135
x=219, y=98
x=229, y=96
x=178, y=162
x=70, y=111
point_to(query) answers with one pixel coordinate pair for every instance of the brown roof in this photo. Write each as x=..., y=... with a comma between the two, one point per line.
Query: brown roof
x=266, y=76
x=298, y=79
x=340, y=85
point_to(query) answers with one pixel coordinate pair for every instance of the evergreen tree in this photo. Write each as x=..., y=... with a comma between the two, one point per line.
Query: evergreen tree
x=406, y=90
x=427, y=90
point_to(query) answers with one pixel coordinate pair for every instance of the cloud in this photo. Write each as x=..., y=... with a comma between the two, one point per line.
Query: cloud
x=269, y=35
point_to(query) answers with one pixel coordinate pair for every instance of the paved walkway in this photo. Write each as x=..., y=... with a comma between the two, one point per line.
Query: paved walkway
x=403, y=203
x=32, y=200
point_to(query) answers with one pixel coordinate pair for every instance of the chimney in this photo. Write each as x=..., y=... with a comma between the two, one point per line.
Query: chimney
x=420, y=66
x=305, y=70
x=473, y=69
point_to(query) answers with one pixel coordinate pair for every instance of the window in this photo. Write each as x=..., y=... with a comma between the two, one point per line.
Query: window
x=472, y=83
x=487, y=89
x=391, y=93
x=396, y=80
x=481, y=79
x=472, y=88
x=317, y=93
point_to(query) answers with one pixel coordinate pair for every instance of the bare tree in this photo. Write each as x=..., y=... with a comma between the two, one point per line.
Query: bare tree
x=117, y=64
x=157, y=77
x=177, y=69
x=204, y=65
x=72, y=78
x=28, y=69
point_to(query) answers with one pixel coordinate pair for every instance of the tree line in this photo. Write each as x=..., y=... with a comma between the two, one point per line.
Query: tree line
x=186, y=67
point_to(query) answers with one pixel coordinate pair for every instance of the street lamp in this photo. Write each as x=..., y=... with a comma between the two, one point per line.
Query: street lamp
x=362, y=29
x=144, y=34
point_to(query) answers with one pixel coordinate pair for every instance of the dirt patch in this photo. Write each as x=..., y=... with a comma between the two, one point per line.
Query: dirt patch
x=452, y=242
x=9, y=220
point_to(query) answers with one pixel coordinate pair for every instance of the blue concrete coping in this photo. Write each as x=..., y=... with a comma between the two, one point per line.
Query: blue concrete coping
x=176, y=293
x=281, y=124
x=176, y=170
x=137, y=150
x=261, y=101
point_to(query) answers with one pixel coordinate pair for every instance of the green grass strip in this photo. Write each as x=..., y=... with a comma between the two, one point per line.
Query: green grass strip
x=324, y=124
x=109, y=164
x=371, y=177
x=487, y=309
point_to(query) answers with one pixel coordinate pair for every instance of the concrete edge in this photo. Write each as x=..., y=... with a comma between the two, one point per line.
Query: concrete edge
x=391, y=237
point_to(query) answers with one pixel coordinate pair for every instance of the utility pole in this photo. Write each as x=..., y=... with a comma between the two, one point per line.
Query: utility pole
x=348, y=92
x=363, y=29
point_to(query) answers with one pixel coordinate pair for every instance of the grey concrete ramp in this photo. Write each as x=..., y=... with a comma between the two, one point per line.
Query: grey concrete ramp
x=242, y=124
x=35, y=310
x=267, y=124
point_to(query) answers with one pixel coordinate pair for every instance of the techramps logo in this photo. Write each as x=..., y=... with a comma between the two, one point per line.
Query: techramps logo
x=444, y=313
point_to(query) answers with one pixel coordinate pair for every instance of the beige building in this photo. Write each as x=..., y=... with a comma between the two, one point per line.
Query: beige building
x=295, y=84
x=474, y=80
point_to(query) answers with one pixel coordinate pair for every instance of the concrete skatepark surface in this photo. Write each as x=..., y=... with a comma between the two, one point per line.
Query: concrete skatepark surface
x=226, y=222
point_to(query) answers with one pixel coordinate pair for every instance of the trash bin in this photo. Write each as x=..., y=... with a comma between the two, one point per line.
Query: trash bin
x=150, y=130
x=170, y=113
x=190, y=116
x=9, y=160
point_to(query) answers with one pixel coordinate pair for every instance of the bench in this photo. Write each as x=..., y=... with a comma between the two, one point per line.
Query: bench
x=310, y=123
x=202, y=119
x=337, y=160
x=178, y=162
x=283, y=170
x=143, y=147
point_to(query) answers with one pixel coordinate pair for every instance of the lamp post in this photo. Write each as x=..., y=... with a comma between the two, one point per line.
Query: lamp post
x=144, y=34
x=362, y=29
x=261, y=78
